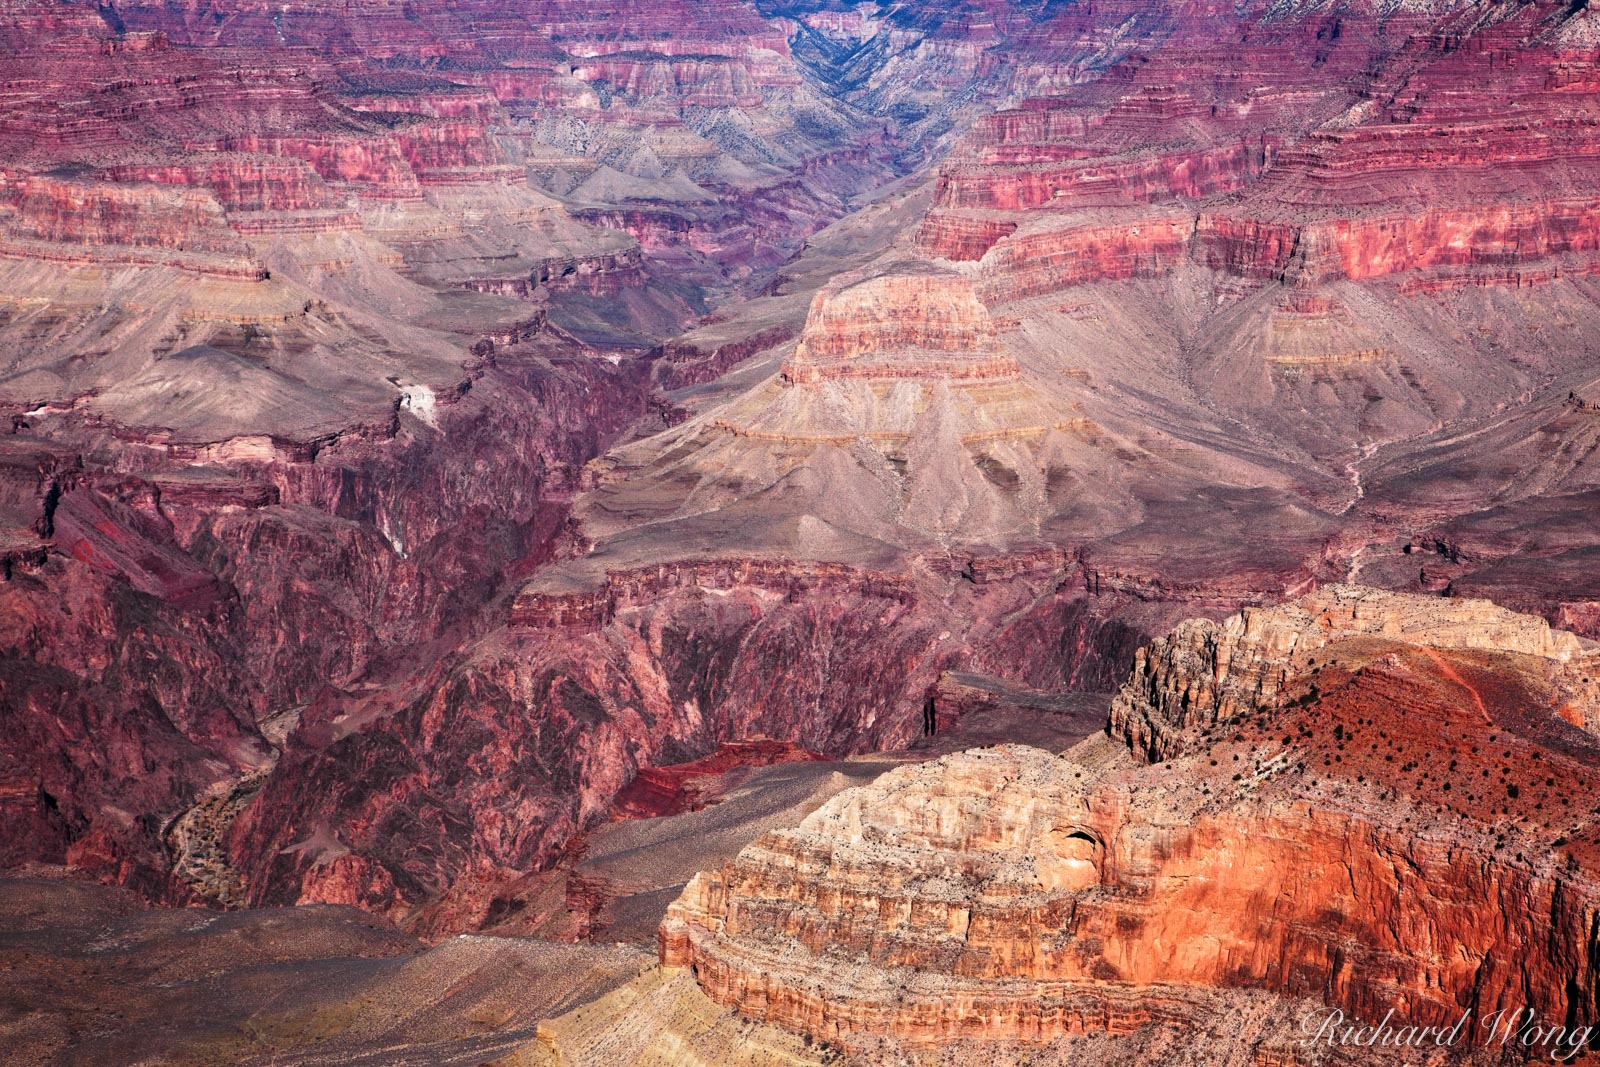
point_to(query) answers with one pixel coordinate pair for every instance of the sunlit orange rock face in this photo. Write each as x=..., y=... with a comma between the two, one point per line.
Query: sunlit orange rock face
x=1369, y=801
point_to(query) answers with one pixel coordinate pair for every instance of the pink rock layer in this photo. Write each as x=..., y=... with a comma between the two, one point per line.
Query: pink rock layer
x=905, y=325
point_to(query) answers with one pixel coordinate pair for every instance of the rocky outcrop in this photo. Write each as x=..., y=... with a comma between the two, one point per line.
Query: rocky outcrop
x=694, y=81
x=1398, y=827
x=455, y=153
x=658, y=791
x=695, y=360
x=1359, y=248
x=1159, y=177
x=374, y=166
x=898, y=324
x=538, y=606
x=260, y=195
x=1075, y=253
x=962, y=236
x=1205, y=673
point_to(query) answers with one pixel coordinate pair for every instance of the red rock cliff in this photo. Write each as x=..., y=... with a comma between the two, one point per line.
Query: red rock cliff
x=1403, y=824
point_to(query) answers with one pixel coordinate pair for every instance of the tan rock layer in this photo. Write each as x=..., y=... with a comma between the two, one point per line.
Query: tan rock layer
x=905, y=323
x=1007, y=895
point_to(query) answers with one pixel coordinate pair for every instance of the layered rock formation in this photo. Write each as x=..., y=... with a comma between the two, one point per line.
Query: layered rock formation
x=1363, y=794
x=905, y=419
x=179, y=579
x=1249, y=659
x=1125, y=390
x=342, y=514
x=913, y=325
x=300, y=367
x=666, y=132
x=1285, y=181
x=67, y=221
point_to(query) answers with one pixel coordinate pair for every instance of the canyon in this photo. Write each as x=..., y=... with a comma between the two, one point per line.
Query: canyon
x=493, y=486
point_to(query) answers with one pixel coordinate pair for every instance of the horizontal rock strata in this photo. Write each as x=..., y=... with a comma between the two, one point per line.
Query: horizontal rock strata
x=1400, y=822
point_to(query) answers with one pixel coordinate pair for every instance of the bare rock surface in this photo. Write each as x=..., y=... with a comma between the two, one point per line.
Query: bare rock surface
x=1367, y=832
x=429, y=432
